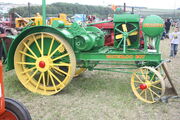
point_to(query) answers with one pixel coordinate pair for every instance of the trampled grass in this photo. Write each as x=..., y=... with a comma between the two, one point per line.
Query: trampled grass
x=97, y=95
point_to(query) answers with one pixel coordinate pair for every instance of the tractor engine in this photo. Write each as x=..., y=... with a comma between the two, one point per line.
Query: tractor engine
x=86, y=38
x=127, y=31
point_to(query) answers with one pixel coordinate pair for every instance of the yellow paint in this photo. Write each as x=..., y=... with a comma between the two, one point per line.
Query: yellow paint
x=137, y=79
x=79, y=71
x=50, y=79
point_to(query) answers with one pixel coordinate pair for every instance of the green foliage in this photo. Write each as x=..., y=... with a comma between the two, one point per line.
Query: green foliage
x=68, y=8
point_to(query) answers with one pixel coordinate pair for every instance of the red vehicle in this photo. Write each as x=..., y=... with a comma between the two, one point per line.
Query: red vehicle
x=108, y=28
x=9, y=108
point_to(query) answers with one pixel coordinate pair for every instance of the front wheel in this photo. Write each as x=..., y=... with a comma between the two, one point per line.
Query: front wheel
x=147, y=84
x=15, y=111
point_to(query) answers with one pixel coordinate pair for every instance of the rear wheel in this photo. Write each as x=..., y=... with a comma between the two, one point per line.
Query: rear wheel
x=44, y=63
x=15, y=111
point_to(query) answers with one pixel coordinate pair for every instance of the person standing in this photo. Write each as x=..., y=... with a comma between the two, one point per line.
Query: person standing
x=167, y=25
x=175, y=39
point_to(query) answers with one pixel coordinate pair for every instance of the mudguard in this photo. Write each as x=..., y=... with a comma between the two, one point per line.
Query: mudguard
x=60, y=32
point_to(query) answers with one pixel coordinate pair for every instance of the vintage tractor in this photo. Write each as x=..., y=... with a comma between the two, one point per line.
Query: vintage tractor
x=9, y=108
x=108, y=28
x=46, y=58
x=61, y=17
x=23, y=22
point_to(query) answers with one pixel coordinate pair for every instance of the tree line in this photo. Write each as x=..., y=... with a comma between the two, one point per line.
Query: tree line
x=70, y=9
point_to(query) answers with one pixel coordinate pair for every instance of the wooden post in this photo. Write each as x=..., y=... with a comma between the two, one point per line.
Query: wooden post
x=169, y=79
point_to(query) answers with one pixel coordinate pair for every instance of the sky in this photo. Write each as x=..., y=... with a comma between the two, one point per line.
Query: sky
x=162, y=4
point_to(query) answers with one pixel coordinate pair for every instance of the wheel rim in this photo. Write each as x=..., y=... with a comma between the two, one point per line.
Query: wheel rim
x=79, y=71
x=8, y=115
x=147, y=84
x=44, y=63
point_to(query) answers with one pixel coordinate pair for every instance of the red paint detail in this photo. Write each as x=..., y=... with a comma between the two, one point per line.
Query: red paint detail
x=8, y=115
x=42, y=64
x=2, y=100
x=142, y=86
x=109, y=28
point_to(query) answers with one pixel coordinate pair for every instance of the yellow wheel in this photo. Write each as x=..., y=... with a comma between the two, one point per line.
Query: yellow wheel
x=147, y=84
x=44, y=63
x=79, y=71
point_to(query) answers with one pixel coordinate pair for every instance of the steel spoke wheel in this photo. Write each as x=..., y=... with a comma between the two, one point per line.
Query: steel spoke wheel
x=147, y=84
x=44, y=63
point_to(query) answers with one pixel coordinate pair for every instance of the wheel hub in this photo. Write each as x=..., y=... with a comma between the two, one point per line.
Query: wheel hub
x=8, y=115
x=43, y=64
x=143, y=86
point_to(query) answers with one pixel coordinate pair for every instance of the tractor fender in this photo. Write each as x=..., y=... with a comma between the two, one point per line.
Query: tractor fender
x=64, y=33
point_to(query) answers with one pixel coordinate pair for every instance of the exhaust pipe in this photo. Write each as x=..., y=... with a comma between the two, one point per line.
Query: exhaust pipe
x=44, y=11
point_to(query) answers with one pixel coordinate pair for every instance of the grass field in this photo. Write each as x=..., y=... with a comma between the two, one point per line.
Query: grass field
x=97, y=96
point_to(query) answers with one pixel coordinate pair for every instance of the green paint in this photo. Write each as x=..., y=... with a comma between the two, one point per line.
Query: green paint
x=88, y=42
x=44, y=11
x=4, y=47
x=153, y=25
